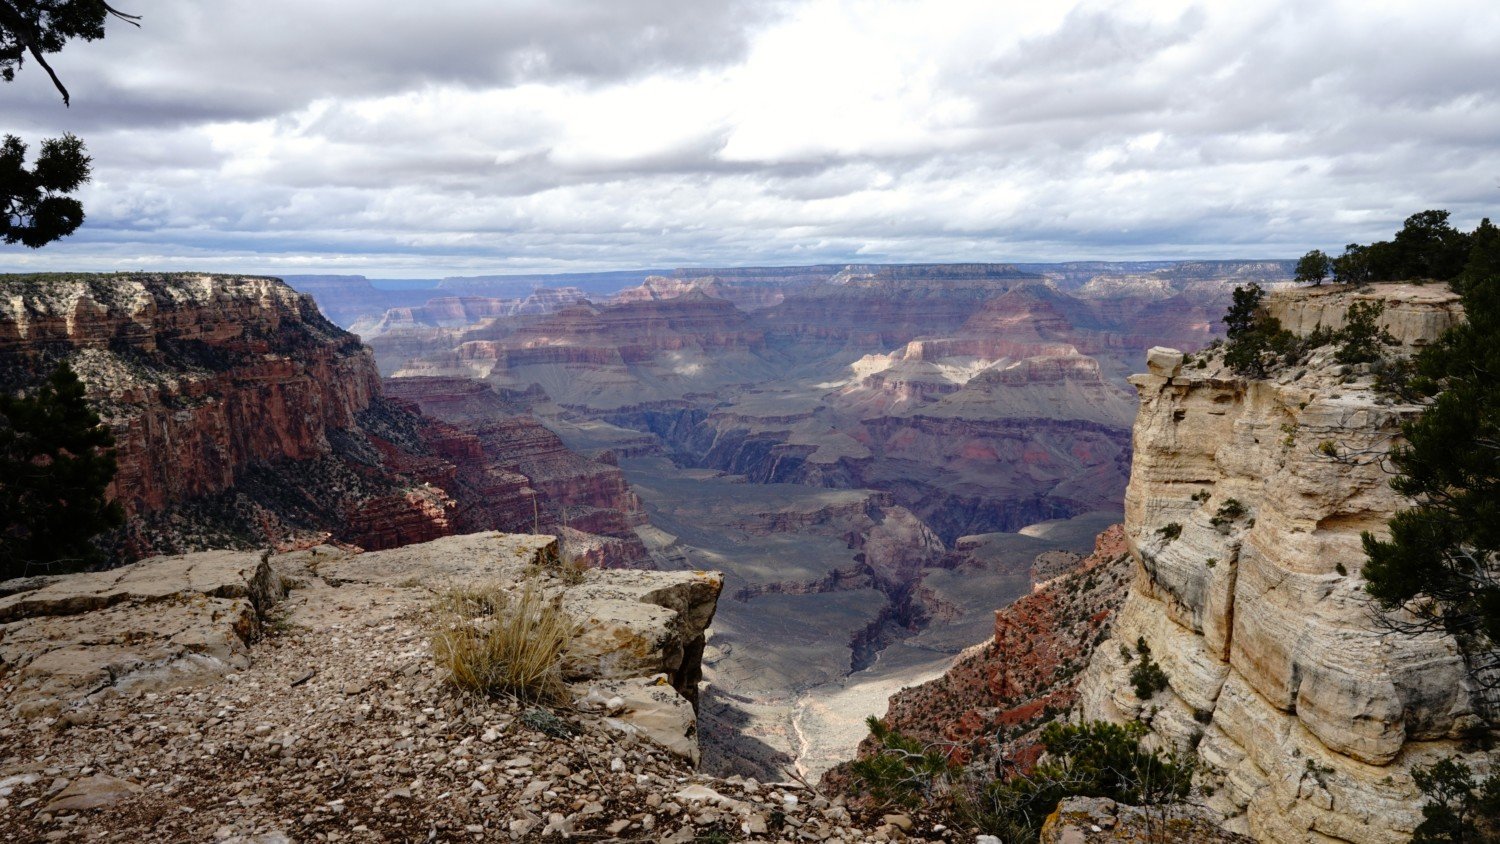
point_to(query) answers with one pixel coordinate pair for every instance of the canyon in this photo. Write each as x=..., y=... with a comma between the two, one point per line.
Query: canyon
x=243, y=418
x=843, y=477
x=873, y=455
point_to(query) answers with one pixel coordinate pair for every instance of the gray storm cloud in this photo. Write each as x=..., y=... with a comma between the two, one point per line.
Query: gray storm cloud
x=449, y=138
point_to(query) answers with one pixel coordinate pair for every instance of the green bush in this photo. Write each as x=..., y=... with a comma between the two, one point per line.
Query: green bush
x=1147, y=677
x=902, y=771
x=1361, y=338
x=1093, y=759
x=1458, y=810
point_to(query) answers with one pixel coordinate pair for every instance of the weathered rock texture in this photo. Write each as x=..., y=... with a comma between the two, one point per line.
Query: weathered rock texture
x=242, y=417
x=159, y=623
x=1081, y=820
x=1244, y=512
x=74, y=641
x=1018, y=682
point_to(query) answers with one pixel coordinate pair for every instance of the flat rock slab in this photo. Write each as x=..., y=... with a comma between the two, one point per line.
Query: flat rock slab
x=156, y=624
x=452, y=561
x=218, y=574
x=96, y=792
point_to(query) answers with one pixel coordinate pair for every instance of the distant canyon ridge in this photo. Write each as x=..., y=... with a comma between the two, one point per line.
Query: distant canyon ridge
x=872, y=454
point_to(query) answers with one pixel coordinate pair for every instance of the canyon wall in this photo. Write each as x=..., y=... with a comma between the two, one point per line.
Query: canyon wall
x=1243, y=515
x=243, y=417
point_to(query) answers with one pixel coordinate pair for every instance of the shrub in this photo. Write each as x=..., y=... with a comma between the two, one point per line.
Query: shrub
x=56, y=460
x=1170, y=531
x=1094, y=759
x=490, y=642
x=1147, y=677
x=1361, y=338
x=1229, y=512
x=902, y=770
x=1458, y=809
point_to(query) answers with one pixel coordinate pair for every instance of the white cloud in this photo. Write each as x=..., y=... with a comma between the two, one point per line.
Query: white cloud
x=530, y=135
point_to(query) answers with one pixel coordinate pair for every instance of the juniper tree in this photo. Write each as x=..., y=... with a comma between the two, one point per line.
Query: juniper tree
x=55, y=461
x=1443, y=554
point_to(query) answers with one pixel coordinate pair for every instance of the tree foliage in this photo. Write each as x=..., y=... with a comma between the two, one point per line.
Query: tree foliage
x=1314, y=266
x=902, y=771
x=1093, y=759
x=34, y=206
x=39, y=28
x=1459, y=809
x=1362, y=338
x=1446, y=547
x=1255, y=342
x=55, y=461
x=1442, y=558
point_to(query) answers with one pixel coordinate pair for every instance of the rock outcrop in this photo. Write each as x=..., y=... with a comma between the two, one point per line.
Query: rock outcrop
x=72, y=642
x=337, y=723
x=164, y=622
x=242, y=417
x=1243, y=515
x=1010, y=687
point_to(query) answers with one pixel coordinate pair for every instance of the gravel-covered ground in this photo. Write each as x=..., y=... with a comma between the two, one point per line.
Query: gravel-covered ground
x=342, y=730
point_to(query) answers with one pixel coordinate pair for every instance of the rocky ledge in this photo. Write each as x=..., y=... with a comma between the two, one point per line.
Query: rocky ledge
x=298, y=700
x=1243, y=516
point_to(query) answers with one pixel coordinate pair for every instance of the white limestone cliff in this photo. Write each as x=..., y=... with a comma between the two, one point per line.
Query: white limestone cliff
x=1305, y=713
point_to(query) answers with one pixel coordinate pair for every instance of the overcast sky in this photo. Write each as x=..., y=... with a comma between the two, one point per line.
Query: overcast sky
x=450, y=137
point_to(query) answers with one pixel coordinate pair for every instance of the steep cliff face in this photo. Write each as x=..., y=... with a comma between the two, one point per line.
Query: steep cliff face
x=1014, y=684
x=512, y=473
x=1243, y=513
x=199, y=376
x=243, y=417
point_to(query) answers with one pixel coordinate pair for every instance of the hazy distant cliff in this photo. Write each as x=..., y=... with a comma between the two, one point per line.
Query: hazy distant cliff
x=1305, y=714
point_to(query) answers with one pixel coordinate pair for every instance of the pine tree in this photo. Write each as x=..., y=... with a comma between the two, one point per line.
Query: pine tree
x=1446, y=548
x=55, y=461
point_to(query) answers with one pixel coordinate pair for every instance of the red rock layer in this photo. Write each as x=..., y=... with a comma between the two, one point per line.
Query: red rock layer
x=1014, y=684
x=242, y=416
x=515, y=474
x=198, y=376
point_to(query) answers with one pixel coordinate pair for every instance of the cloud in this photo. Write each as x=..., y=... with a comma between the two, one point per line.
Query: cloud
x=444, y=138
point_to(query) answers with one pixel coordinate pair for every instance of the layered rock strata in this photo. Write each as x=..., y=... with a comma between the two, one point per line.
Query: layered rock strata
x=242, y=417
x=990, y=705
x=1243, y=515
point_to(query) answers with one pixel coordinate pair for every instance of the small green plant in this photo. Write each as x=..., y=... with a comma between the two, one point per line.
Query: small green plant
x=1169, y=531
x=1229, y=512
x=1093, y=759
x=1362, y=338
x=902, y=771
x=547, y=723
x=1147, y=677
x=1211, y=562
x=1328, y=448
x=1202, y=495
x=489, y=641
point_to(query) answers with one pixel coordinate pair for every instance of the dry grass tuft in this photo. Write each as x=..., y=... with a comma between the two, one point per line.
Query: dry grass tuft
x=491, y=640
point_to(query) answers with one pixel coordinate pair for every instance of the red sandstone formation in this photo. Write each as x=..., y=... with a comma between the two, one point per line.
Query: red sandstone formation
x=242, y=416
x=520, y=474
x=1011, y=686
